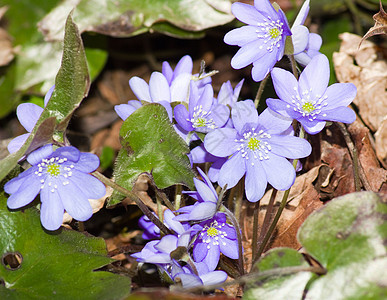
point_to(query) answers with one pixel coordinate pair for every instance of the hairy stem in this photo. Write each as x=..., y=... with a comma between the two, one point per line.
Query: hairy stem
x=239, y=236
x=132, y=196
x=260, y=90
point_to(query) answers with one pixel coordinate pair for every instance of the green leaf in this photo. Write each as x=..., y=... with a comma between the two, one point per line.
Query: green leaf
x=151, y=145
x=56, y=265
x=347, y=237
x=282, y=286
x=124, y=18
x=72, y=84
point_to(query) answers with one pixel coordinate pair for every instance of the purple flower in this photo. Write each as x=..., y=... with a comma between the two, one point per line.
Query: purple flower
x=202, y=115
x=150, y=230
x=184, y=66
x=306, y=45
x=28, y=114
x=257, y=147
x=310, y=101
x=61, y=177
x=205, y=207
x=216, y=237
x=158, y=91
x=262, y=41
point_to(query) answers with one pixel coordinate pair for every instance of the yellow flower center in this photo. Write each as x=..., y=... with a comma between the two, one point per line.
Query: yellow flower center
x=53, y=169
x=274, y=33
x=253, y=144
x=212, y=231
x=308, y=107
x=200, y=122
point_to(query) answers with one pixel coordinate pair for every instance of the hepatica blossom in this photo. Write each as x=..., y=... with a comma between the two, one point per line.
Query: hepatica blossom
x=262, y=41
x=61, y=177
x=258, y=147
x=203, y=115
x=216, y=237
x=306, y=45
x=310, y=101
x=28, y=114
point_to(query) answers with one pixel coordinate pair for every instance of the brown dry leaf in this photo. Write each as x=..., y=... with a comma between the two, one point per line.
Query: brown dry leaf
x=367, y=69
x=375, y=175
x=303, y=200
x=381, y=143
x=380, y=26
x=335, y=155
x=6, y=49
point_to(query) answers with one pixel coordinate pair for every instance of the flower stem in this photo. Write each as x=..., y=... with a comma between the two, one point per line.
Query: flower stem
x=260, y=90
x=239, y=236
x=178, y=190
x=279, y=211
x=294, y=65
x=132, y=196
x=255, y=230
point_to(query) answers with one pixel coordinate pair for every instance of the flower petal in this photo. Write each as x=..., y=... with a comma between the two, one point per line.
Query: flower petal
x=159, y=88
x=214, y=277
x=90, y=186
x=315, y=41
x=274, y=122
x=242, y=113
x=15, y=183
x=182, y=117
x=265, y=64
x=48, y=95
x=140, y=88
x=28, y=114
x=303, y=13
x=315, y=77
x=232, y=171
x=88, y=162
x=74, y=201
x=35, y=157
x=220, y=114
x=180, y=87
x=339, y=94
x=184, y=65
x=205, y=191
x=25, y=194
x=167, y=244
x=241, y=36
x=339, y=114
x=290, y=146
x=125, y=110
x=248, y=54
x=285, y=84
x=17, y=142
x=167, y=71
x=279, y=172
x=51, y=210
x=245, y=13
x=212, y=257
x=199, y=251
x=188, y=280
x=300, y=38
x=255, y=181
x=221, y=142
x=70, y=152
x=312, y=128
x=172, y=224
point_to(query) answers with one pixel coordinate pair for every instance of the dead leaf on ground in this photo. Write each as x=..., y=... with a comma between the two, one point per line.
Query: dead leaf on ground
x=367, y=69
x=374, y=174
x=381, y=143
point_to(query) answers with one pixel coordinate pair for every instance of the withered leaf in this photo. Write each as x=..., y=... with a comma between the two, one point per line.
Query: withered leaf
x=380, y=26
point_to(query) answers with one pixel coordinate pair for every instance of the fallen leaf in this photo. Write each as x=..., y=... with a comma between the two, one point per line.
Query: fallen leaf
x=367, y=69
x=381, y=143
x=380, y=26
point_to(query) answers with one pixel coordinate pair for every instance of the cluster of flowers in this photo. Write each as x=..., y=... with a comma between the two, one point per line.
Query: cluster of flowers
x=238, y=141
x=199, y=229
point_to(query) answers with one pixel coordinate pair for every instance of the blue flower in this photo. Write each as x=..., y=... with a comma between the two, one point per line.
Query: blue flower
x=262, y=41
x=306, y=45
x=158, y=91
x=310, y=101
x=150, y=230
x=216, y=237
x=205, y=207
x=61, y=177
x=28, y=114
x=257, y=147
x=184, y=66
x=202, y=114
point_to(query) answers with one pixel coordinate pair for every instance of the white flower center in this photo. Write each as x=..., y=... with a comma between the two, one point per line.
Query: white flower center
x=271, y=31
x=254, y=145
x=53, y=168
x=201, y=118
x=213, y=234
x=306, y=106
